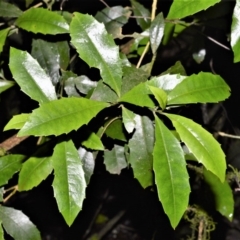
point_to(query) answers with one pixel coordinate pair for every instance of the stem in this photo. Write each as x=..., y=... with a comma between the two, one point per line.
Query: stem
x=15, y=189
x=108, y=124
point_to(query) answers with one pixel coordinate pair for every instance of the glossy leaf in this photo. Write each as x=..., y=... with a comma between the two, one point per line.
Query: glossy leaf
x=3, y=36
x=4, y=85
x=128, y=119
x=9, y=10
x=160, y=96
x=201, y=88
x=181, y=9
x=84, y=84
x=171, y=174
x=222, y=192
x=17, y=122
x=9, y=164
x=202, y=144
x=93, y=142
x=39, y=20
x=97, y=49
x=31, y=77
x=115, y=159
x=156, y=32
x=18, y=225
x=61, y=116
x=69, y=183
x=141, y=148
x=70, y=87
x=116, y=131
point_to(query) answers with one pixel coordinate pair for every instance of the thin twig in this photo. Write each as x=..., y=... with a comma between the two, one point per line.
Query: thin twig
x=228, y=135
x=11, y=194
x=105, y=3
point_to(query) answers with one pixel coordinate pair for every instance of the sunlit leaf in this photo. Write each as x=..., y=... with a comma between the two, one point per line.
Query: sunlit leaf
x=93, y=142
x=160, y=96
x=116, y=131
x=3, y=36
x=4, y=85
x=84, y=84
x=9, y=10
x=17, y=122
x=128, y=119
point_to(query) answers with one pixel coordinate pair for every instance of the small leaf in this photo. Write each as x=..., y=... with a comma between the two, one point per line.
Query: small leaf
x=97, y=49
x=201, y=88
x=9, y=10
x=18, y=224
x=9, y=164
x=28, y=2
x=223, y=196
x=93, y=142
x=3, y=35
x=4, y=85
x=116, y=131
x=128, y=119
x=115, y=159
x=39, y=20
x=17, y=121
x=31, y=77
x=61, y=116
x=171, y=175
x=156, y=32
x=160, y=96
x=141, y=148
x=177, y=68
x=69, y=183
x=84, y=84
x=202, y=144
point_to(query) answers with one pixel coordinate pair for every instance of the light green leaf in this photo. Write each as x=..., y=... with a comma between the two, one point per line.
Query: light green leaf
x=1, y=232
x=116, y=131
x=235, y=32
x=3, y=36
x=31, y=77
x=18, y=225
x=9, y=10
x=61, y=116
x=202, y=144
x=128, y=119
x=4, y=85
x=93, y=142
x=156, y=32
x=223, y=196
x=171, y=174
x=69, y=183
x=39, y=20
x=141, y=148
x=9, y=164
x=200, y=88
x=184, y=8
x=1, y=195
x=160, y=96
x=115, y=159
x=17, y=121
x=97, y=49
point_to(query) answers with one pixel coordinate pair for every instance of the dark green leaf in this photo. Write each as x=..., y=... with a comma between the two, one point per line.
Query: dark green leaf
x=4, y=85
x=61, y=116
x=69, y=183
x=17, y=121
x=116, y=131
x=9, y=10
x=28, y=2
x=177, y=68
x=1, y=194
x=31, y=77
x=160, y=96
x=3, y=35
x=128, y=119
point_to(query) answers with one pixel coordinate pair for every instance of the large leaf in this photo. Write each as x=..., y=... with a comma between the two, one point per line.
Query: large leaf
x=9, y=10
x=97, y=49
x=201, y=143
x=181, y=9
x=3, y=36
x=61, y=116
x=9, y=165
x=201, y=88
x=4, y=85
x=223, y=196
x=18, y=224
x=31, y=77
x=39, y=20
x=141, y=148
x=69, y=183
x=171, y=175
x=17, y=121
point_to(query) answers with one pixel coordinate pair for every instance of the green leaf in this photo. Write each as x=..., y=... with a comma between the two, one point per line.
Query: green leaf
x=17, y=121
x=141, y=148
x=39, y=20
x=69, y=183
x=9, y=164
x=202, y=144
x=128, y=119
x=3, y=36
x=223, y=196
x=1, y=195
x=200, y=88
x=61, y=116
x=160, y=96
x=181, y=9
x=235, y=32
x=18, y=225
x=1, y=231
x=177, y=68
x=93, y=142
x=28, y=2
x=142, y=13
x=115, y=159
x=171, y=174
x=31, y=77
x=97, y=49
x=84, y=84
x=4, y=85
x=33, y=172
x=156, y=32
x=9, y=10
x=116, y=131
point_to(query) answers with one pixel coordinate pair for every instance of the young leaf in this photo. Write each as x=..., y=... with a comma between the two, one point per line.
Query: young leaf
x=160, y=96
x=171, y=175
x=3, y=36
x=156, y=32
x=115, y=159
x=201, y=88
x=181, y=9
x=9, y=10
x=116, y=131
x=202, y=144
x=9, y=164
x=69, y=183
x=18, y=224
x=4, y=85
x=61, y=116
x=93, y=142
x=31, y=77
x=223, y=196
x=17, y=121
x=141, y=148
x=128, y=119
x=97, y=49
x=39, y=20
